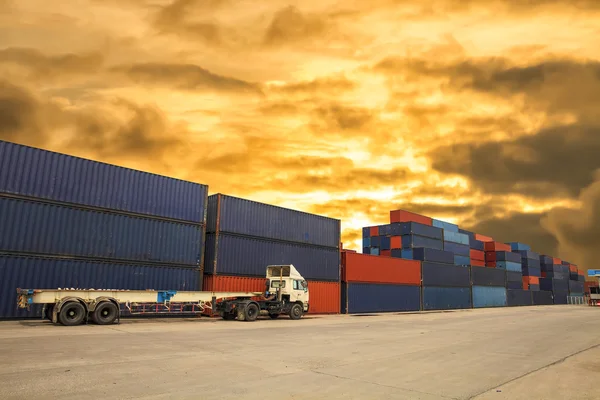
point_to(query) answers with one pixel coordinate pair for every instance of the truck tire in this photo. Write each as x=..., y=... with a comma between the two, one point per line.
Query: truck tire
x=72, y=313
x=106, y=313
x=251, y=312
x=48, y=311
x=296, y=311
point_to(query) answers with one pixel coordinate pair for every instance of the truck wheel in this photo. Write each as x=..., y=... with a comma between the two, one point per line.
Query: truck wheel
x=296, y=311
x=48, y=311
x=72, y=313
x=105, y=313
x=274, y=316
x=251, y=312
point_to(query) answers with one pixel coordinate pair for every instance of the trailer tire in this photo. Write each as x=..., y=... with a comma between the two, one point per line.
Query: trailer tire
x=296, y=311
x=48, y=311
x=251, y=312
x=72, y=313
x=105, y=313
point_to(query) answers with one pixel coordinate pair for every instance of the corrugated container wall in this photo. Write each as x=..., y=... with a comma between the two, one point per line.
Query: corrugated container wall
x=250, y=218
x=36, y=227
x=376, y=297
x=489, y=296
x=374, y=269
x=47, y=273
x=247, y=256
x=324, y=297
x=446, y=298
x=32, y=172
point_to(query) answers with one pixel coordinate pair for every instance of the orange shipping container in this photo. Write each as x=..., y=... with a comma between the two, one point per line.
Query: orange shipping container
x=496, y=246
x=373, y=269
x=374, y=231
x=407, y=216
x=477, y=255
x=324, y=297
x=557, y=261
x=490, y=264
x=224, y=283
x=573, y=268
x=385, y=253
x=483, y=238
x=530, y=280
x=396, y=242
x=478, y=263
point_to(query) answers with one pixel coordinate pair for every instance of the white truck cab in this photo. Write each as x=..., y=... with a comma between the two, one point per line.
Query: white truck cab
x=285, y=282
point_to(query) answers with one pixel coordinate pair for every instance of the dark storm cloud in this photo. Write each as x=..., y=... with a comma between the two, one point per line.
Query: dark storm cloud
x=19, y=115
x=184, y=77
x=291, y=25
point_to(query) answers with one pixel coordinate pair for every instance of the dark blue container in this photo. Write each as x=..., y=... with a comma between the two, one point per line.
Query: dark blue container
x=483, y=276
x=456, y=237
x=378, y=297
x=516, y=246
x=414, y=228
x=534, y=288
x=53, y=273
x=246, y=256
x=573, y=276
x=366, y=231
x=375, y=241
x=531, y=271
x=542, y=298
x=366, y=250
x=554, y=285
x=560, y=297
x=458, y=249
x=446, y=298
x=250, y=218
x=565, y=269
x=580, y=278
x=508, y=256
x=412, y=241
x=528, y=254
x=42, y=228
x=557, y=275
x=385, y=230
x=551, y=268
x=435, y=274
x=32, y=172
x=470, y=234
x=398, y=253
x=366, y=242
x=447, y=226
x=544, y=259
x=514, y=285
x=509, y=266
x=462, y=260
x=384, y=242
x=489, y=296
x=529, y=262
x=565, y=262
x=438, y=256
x=512, y=276
x=576, y=287
x=477, y=245
x=518, y=297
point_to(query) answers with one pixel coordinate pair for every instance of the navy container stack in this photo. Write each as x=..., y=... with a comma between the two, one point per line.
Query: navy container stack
x=576, y=286
x=75, y=223
x=555, y=278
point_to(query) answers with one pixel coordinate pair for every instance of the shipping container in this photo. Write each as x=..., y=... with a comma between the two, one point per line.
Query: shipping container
x=41, y=228
x=532, y=288
x=546, y=259
x=385, y=253
x=573, y=269
x=470, y=234
x=551, y=268
x=366, y=242
x=374, y=231
x=376, y=297
x=483, y=238
x=384, y=243
x=411, y=241
x=496, y=246
x=509, y=266
x=435, y=274
x=462, y=260
x=489, y=296
x=224, y=283
x=396, y=242
x=53, y=273
x=366, y=268
x=554, y=285
x=556, y=260
x=514, y=285
x=502, y=256
x=518, y=297
x=576, y=287
x=247, y=256
x=447, y=226
x=374, y=251
x=542, y=298
x=581, y=278
x=557, y=275
x=31, y=172
x=529, y=262
x=250, y=218
x=516, y=246
x=512, y=276
x=456, y=237
x=530, y=280
x=407, y=216
x=366, y=250
x=414, y=228
x=481, y=276
x=477, y=244
x=439, y=256
x=385, y=230
x=456, y=248
x=446, y=298
x=560, y=297
x=324, y=297
x=477, y=263
x=375, y=241
x=477, y=255
x=366, y=231
x=573, y=276
x=528, y=254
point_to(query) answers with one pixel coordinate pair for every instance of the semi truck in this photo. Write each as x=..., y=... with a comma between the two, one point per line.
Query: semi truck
x=286, y=292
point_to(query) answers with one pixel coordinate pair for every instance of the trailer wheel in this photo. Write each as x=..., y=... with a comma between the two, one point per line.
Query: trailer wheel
x=274, y=316
x=48, y=311
x=296, y=311
x=72, y=313
x=106, y=313
x=251, y=312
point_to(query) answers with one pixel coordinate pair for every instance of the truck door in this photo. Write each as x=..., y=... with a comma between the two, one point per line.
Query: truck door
x=298, y=291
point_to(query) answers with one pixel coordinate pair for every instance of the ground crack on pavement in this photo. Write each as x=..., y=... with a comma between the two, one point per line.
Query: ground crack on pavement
x=559, y=361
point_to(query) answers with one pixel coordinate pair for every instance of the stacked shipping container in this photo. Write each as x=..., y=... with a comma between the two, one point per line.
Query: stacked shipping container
x=71, y=222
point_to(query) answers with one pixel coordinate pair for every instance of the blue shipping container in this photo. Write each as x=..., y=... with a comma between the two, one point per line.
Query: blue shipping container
x=551, y=268
x=374, y=251
x=250, y=218
x=560, y=297
x=446, y=298
x=512, y=276
x=366, y=242
x=509, y=266
x=456, y=237
x=544, y=259
x=470, y=234
x=384, y=243
x=48, y=273
x=576, y=287
x=489, y=296
x=477, y=245
x=581, y=278
x=375, y=241
x=385, y=230
x=483, y=276
x=32, y=172
x=405, y=253
x=377, y=297
x=528, y=254
x=366, y=231
x=518, y=297
x=554, y=285
x=414, y=228
x=457, y=248
x=462, y=260
x=557, y=275
x=412, y=241
x=514, y=285
x=248, y=256
x=534, y=288
x=516, y=246
x=542, y=298
x=434, y=255
x=508, y=256
x=529, y=262
x=435, y=274
x=366, y=250
x=447, y=226
x=44, y=228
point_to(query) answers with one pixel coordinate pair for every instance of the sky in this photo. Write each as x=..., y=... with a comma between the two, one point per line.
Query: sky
x=479, y=113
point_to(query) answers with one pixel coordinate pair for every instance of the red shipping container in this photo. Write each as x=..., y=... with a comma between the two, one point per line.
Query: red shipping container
x=224, y=283
x=496, y=246
x=573, y=268
x=407, y=216
x=374, y=231
x=324, y=297
x=483, y=238
x=396, y=242
x=477, y=263
x=477, y=255
x=385, y=253
x=373, y=269
x=557, y=261
x=490, y=256
x=490, y=264
x=530, y=280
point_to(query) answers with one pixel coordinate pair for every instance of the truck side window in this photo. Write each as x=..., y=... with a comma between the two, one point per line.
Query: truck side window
x=298, y=285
